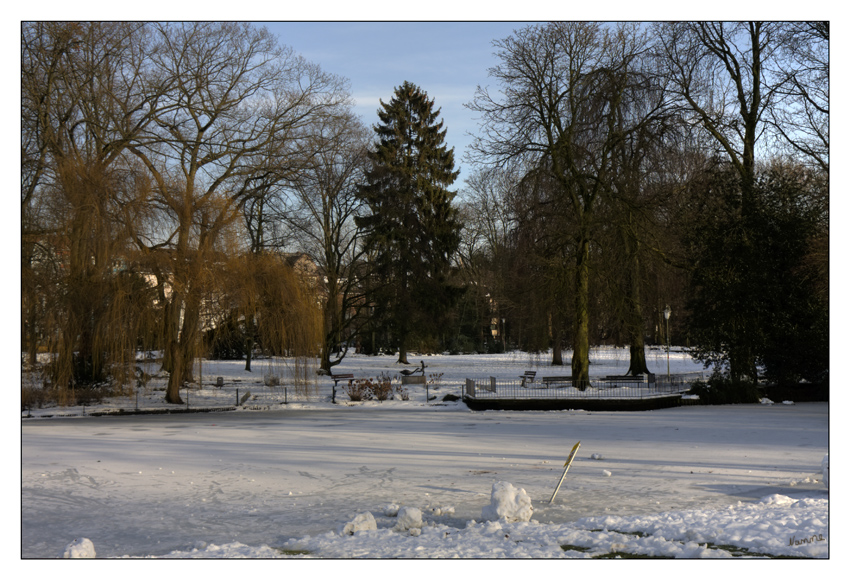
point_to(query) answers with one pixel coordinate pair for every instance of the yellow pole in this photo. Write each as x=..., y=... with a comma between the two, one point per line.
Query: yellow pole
x=566, y=468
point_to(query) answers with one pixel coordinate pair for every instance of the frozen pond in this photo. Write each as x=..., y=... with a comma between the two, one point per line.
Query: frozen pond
x=151, y=485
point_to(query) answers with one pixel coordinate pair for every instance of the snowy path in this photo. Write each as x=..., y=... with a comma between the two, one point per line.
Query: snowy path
x=151, y=485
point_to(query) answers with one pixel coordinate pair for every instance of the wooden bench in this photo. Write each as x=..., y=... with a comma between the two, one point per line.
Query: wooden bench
x=558, y=380
x=528, y=377
x=336, y=379
x=341, y=377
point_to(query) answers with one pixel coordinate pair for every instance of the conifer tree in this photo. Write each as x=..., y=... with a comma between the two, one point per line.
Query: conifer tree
x=411, y=230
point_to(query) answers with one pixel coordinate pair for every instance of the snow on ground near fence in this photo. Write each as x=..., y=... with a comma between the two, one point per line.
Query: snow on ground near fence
x=692, y=482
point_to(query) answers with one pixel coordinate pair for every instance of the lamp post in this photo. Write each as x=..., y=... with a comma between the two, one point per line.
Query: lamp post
x=667, y=313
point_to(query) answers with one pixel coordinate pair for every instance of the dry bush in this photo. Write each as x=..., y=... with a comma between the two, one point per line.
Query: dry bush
x=400, y=392
x=359, y=390
x=435, y=379
x=382, y=387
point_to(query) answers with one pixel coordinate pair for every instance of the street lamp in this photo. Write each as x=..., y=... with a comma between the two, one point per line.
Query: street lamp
x=667, y=313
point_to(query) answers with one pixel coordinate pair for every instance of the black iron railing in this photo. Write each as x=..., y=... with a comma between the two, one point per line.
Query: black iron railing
x=598, y=388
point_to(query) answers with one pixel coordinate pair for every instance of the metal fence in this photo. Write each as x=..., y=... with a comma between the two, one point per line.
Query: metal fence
x=257, y=394
x=496, y=388
x=231, y=395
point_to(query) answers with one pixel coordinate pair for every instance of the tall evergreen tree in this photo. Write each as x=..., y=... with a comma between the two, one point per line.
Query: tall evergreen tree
x=411, y=230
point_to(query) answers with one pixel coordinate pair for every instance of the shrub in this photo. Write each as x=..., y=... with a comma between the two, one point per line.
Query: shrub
x=720, y=390
x=382, y=387
x=400, y=393
x=359, y=390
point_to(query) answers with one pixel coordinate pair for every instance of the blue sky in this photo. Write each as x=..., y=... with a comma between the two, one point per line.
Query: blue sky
x=446, y=59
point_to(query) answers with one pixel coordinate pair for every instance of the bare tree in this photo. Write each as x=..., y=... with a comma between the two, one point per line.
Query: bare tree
x=485, y=250
x=233, y=93
x=721, y=73
x=563, y=85
x=801, y=112
x=321, y=207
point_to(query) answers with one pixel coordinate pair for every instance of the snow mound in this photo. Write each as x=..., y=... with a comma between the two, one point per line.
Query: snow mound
x=597, y=456
x=777, y=499
x=79, y=548
x=507, y=503
x=391, y=510
x=408, y=518
x=606, y=473
x=362, y=522
x=825, y=467
x=765, y=401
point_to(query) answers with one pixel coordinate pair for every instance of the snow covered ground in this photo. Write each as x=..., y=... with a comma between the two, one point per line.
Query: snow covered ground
x=296, y=480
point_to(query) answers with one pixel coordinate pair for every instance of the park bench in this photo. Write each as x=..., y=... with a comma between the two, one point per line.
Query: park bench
x=336, y=379
x=562, y=381
x=528, y=377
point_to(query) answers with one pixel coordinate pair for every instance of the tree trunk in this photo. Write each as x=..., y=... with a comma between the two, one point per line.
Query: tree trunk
x=249, y=350
x=170, y=328
x=172, y=390
x=557, y=355
x=581, y=343
x=183, y=351
x=402, y=350
x=634, y=313
x=331, y=322
x=32, y=335
x=637, y=359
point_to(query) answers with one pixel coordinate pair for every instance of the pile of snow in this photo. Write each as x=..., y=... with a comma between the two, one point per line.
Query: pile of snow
x=391, y=510
x=507, y=503
x=409, y=518
x=776, y=525
x=362, y=522
x=79, y=548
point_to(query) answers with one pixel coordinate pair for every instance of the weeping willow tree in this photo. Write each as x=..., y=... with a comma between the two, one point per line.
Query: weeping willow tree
x=97, y=308
x=288, y=318
x=262, y=303
x=81, y=104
